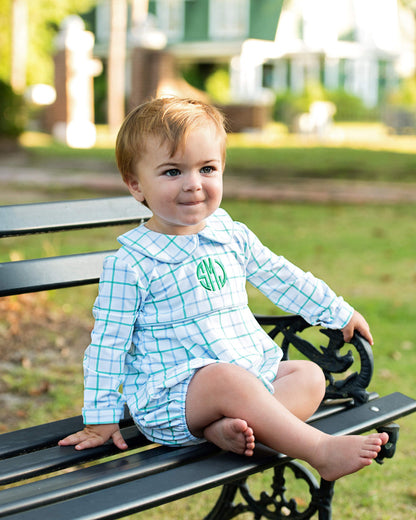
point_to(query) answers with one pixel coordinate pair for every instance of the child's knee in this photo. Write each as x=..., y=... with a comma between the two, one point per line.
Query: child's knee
x=226, y=376
x=315, y=378
x=226, y=371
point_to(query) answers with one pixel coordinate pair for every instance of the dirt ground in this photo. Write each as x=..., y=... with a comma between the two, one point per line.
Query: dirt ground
x=22, y=180
x=36, y=337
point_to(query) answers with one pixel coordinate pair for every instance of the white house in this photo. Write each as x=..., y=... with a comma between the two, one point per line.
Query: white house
x=361, y=46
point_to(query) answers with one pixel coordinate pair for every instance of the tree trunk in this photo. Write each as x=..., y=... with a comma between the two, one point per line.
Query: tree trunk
x=117, y=64
x=19, y=45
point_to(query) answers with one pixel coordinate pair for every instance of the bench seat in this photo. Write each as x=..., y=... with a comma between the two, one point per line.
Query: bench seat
x=145, y=479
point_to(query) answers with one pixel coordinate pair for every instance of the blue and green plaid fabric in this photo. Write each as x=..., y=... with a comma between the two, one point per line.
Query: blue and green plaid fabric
x=168, y=305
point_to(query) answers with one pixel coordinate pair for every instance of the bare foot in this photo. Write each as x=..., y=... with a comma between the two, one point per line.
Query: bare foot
x=232, y=435
x=339, y=456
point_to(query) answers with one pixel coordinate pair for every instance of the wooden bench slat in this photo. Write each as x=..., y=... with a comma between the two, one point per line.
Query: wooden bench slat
x=37, y=437
x=136, y=495
x=21, y=219
x=42, y=436
x=195, y=477
x=368, y=416
x=56, y=457
x=42, y=274
x=100, y=476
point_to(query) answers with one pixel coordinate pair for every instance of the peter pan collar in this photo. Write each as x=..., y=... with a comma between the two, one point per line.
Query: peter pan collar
x=176, y=248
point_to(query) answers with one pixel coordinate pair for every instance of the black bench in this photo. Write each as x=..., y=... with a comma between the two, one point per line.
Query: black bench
x=144, y=478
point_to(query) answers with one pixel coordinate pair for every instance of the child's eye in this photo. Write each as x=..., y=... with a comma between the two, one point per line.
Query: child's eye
x=172, y=173
x=207, y=169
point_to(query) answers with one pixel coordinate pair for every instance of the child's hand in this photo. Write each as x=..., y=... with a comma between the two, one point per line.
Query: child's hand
x=94, y=435
x=357, y=323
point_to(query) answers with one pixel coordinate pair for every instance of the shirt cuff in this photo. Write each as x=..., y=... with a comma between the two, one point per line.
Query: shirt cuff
x=342, y=314
x=106, y=416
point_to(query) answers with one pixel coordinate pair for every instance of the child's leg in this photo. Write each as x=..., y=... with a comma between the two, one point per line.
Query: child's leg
x=294, y=381
x=234, y=401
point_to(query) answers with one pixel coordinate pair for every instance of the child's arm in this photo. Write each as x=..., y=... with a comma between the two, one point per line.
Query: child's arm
x=298, y=292
x=359, y=324
x=94, y=435
x=104, y=361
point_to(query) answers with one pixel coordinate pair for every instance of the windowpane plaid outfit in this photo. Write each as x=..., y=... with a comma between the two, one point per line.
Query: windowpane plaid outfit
x=169, y=305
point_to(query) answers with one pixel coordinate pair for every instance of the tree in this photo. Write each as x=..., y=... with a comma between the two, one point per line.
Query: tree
x=117, y=63
x=411, y=5
x=19, y=47
x=12, y=116
x=44, y=17
x=117, y=56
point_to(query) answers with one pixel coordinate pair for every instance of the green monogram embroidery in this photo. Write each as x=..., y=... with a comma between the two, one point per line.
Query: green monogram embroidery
x=211, y=274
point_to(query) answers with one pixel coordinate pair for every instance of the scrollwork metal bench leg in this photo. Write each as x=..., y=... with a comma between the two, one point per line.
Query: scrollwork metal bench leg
x=324, y=500
x=275, y=505
x=224, y=508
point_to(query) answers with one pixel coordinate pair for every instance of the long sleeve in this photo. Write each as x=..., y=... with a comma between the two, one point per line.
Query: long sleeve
x=292, y=289
x=115, y=312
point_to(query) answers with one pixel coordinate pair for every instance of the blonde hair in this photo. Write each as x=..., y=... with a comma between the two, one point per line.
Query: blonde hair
x=169, y=118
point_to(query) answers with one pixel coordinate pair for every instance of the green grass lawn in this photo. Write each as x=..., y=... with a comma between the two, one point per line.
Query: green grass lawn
x=268, y=164
x=365, y=253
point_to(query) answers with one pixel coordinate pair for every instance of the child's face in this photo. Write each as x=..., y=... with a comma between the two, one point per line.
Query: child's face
x=184, y=189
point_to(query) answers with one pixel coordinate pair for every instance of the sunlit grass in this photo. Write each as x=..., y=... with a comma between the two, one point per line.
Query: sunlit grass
x=33, y=139
x=369, y=136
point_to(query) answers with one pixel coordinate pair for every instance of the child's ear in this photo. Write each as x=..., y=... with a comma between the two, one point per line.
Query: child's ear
x=134, y=188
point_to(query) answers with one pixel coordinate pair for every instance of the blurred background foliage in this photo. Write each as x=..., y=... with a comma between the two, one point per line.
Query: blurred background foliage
x=45, y=17
x=13, y=112
x=397, y=110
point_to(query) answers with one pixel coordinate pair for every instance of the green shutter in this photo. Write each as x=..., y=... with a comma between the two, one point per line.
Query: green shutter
x=196, y=20
x=264, y=17
x=152, y=7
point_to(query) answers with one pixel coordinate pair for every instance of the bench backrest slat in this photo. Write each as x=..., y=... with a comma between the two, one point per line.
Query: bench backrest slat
x=22, y=219
x=44, y=274
x=39, y=274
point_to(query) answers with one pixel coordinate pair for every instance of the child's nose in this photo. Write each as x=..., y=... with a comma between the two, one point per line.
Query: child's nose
x=192, y=181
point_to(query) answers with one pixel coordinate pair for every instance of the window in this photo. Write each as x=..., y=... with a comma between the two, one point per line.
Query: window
x=229, y=19
x=102, y=21
x=268, y=75
x=171, y=16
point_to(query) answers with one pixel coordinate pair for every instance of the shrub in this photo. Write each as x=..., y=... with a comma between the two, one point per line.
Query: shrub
x=288, y=105
x=405, y=95
x=350, y=107
x=13, y=113
x=217, y=86
x=400, y=111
